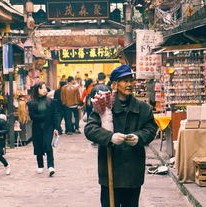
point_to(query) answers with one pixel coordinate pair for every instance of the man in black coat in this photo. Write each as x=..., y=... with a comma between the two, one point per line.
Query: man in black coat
x=134, y=127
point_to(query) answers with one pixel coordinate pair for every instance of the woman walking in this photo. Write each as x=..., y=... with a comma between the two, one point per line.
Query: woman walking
x=42, y=112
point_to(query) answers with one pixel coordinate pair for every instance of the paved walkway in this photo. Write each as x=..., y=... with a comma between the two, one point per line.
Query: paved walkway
x=75, y=183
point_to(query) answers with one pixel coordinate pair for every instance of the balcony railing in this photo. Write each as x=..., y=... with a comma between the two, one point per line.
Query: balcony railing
x=196, y=20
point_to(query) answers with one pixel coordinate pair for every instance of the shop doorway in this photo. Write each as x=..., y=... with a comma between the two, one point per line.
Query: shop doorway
x=92, y=69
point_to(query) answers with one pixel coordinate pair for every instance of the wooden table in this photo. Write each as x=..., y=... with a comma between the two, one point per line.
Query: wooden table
x=191, y=143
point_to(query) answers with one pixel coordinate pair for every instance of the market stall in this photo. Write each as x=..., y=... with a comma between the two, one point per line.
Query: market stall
x=191, y=144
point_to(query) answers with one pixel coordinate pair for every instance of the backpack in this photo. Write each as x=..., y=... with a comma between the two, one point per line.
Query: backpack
x=88, y=101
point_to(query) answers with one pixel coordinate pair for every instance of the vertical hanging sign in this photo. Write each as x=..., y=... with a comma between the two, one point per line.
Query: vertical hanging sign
x=147, y=62
x=7, y=58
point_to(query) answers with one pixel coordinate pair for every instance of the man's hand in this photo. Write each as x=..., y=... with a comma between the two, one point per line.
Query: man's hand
x=131, y=139
x=118, y=138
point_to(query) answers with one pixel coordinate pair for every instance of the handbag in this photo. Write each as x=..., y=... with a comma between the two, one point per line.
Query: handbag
x=55, y=140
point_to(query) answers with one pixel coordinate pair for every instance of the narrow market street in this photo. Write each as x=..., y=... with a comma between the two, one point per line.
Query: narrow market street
x=75, y=182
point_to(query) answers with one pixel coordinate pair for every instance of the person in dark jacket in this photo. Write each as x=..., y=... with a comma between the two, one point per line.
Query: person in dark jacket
x=86, y=98
x=3, y=131
x=42, y=111
x=60, y=107
x=134, y=128
x=100, y=86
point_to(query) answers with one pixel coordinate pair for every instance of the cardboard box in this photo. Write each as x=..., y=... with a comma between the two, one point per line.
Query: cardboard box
x=193, y=113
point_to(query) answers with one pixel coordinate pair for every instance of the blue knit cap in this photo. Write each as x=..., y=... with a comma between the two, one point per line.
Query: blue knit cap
x=120, y=72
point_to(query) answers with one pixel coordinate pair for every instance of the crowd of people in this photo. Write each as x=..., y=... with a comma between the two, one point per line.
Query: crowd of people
x=72, y=100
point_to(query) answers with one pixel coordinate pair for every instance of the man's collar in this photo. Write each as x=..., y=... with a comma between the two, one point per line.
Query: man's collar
x=133, y=105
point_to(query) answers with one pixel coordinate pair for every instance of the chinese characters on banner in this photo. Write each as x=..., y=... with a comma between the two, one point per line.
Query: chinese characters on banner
x=147, y=63
x=102, y=54
x=75, y=10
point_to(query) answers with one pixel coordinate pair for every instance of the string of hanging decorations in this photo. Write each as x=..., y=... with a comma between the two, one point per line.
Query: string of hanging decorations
x=169, y=17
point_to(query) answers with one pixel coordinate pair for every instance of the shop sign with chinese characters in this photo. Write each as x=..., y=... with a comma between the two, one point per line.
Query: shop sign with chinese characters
x=78, y=10
x=82, y=55
x=147, y=63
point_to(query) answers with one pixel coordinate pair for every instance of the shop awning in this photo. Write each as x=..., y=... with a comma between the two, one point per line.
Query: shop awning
x=180, y=48
x=8, y=14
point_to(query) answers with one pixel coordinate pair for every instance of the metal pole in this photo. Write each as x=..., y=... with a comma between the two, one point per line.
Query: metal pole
x=128, y=26
x=11, y=110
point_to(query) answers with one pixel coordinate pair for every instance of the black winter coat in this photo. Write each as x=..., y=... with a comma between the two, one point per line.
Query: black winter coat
x=3, y=130
x=128, y=162
x=43, y=125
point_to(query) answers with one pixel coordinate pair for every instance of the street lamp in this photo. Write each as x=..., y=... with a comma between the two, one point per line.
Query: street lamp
x=28, y=52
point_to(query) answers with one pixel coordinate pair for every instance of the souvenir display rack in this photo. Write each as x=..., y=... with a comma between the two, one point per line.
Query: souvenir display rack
x=159, y=97
x=185, y=78
x=141, y=88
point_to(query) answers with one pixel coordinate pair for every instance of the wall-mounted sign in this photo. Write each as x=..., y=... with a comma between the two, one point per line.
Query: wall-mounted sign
x=75, y=10
x=8, y=59
x=82, y=55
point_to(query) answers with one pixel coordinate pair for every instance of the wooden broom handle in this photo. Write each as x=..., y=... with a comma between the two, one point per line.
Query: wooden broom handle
x=110, y=177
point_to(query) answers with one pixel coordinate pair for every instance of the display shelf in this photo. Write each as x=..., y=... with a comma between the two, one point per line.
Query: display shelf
x=141, y=88
x=186, y=83
x=159, y=97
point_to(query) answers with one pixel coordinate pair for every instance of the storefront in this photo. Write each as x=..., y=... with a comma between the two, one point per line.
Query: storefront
x=82, y=61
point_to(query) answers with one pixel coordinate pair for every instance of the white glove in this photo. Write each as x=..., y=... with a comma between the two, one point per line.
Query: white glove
x=131, y=139
x=118, y=138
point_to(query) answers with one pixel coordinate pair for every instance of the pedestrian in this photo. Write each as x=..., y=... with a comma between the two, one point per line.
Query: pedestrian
x=63, y=78
x=42, y=111
x=78, y=79
x=70, y=97
x=85, y=98
x=134, y=128
x=100, y=85
x=59, y=106
x=86, y=77
x=3, y=131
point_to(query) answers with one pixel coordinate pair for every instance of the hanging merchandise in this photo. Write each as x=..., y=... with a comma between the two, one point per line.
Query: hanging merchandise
x=184, y=79
x=23, y=114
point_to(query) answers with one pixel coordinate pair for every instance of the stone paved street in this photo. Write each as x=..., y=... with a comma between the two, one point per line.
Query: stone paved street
x=75, y=182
